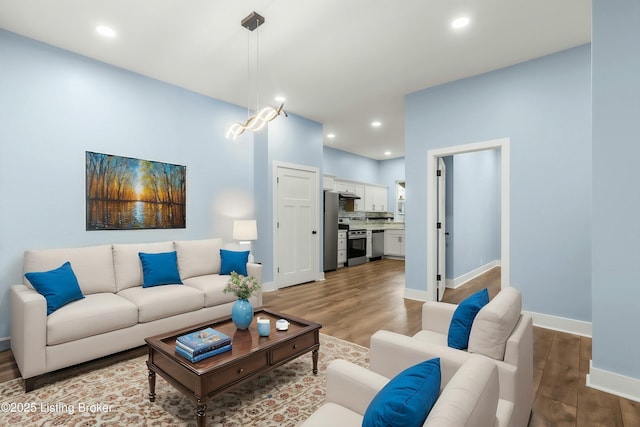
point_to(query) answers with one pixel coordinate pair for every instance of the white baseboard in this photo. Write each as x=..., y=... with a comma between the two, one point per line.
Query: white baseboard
x=269, y=287
x=459, y=281
x=5, y=343
x=610, y=382
x=562, y=324
x=415, y=294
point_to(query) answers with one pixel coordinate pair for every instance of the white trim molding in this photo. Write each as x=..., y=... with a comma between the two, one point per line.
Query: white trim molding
x=416, y=294
x=610, y=382
x=269, y=287
x=562, y=324
x=470, y=275
x=503, y=144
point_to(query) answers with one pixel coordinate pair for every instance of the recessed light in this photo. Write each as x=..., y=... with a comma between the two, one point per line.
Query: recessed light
x=331, y=135
x=387, y=153
x=460, y=22
x=376, y=124
x=105, y=31
x=280, y=98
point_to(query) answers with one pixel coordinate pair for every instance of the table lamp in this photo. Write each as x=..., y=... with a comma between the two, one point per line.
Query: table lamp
x=245, y=230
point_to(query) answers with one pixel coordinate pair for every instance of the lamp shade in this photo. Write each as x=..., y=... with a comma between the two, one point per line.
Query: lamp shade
x=245, y=229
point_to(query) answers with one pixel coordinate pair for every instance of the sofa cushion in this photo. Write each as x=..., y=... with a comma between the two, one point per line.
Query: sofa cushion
x=407, y=399
x=233, y=261
x=92, y=265
x=93, y=315
x=212, y=286
x=159, y=302
x=494, y=324
x=127, y=265
x=198, y=257
x=462, y=320
x=159, y=269
x=59, y=286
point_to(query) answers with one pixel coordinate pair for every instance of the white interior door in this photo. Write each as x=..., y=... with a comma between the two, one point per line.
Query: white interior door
x=441, y=232
x=296, y=226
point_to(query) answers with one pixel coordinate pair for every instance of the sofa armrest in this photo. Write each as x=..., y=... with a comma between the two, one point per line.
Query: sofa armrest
x=436, y=316
x=391, y=353
x=255, y=270
x=28, y=330
x=516, y=373
x=352, y=386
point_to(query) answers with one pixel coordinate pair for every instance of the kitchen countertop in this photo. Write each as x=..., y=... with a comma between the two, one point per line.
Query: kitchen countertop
x=364, y=225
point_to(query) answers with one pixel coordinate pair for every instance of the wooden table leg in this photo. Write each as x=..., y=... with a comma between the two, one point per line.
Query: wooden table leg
x=201, y=412
x=314, y=355
x=152, y=386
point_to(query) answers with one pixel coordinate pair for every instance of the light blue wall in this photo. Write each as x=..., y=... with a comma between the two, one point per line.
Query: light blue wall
x=391, y=170
x=353, y=167
x=475, y=229
x=350, y=166
x=616, y=193
x=55, y=105
x=544, y=106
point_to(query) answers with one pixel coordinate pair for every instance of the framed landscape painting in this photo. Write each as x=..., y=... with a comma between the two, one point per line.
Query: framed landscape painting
x=123, y=193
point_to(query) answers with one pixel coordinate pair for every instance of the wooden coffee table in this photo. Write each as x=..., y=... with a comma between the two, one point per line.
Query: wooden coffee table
x=250, y=357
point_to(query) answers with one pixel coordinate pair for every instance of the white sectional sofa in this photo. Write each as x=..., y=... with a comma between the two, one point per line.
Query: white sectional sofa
x=117, y=312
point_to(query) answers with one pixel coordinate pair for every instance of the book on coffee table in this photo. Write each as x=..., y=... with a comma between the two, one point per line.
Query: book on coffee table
x=203, y=341
x=199, y=357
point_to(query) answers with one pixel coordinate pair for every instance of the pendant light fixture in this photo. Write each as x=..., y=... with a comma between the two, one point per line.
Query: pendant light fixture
x=265, y=115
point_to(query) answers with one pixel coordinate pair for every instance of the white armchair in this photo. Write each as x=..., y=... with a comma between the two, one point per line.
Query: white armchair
x=468, y=395
x=500, y=333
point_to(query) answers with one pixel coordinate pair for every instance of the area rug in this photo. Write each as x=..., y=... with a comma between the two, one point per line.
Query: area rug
x=118, y=395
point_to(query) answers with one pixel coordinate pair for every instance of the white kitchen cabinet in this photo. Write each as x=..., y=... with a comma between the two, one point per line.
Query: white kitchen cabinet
x=375, y=198
x=358, y=204
x=329, y=182
x=345, y=186
x=394, y=243
x=342, y=248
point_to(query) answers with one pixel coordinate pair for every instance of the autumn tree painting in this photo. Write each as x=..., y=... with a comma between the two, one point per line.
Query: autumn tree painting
x=125, y=193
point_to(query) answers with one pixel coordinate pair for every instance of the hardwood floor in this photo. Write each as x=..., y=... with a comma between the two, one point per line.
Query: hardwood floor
x=354, y=302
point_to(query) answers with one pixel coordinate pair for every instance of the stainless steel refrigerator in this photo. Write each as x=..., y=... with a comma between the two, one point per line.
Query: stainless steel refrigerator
x=330, y=231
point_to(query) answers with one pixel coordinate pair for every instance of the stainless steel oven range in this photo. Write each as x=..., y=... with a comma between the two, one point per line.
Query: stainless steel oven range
x=356, y=247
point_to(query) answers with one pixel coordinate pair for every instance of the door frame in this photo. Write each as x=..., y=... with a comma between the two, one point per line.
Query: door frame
x=441, y=232
x=503, y=144
x=274, y=191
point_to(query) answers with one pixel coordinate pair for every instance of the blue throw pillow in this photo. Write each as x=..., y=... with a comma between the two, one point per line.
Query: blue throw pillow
x=463, y=317
x=159, y=269
x=233, y=261
x=407, y=399
x=59, y=286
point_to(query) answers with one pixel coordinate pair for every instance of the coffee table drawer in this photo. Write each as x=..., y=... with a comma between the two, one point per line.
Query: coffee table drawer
x=241, y=369
x=293, y=347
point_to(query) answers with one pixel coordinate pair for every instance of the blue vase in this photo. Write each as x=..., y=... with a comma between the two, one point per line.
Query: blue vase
x=242, y=313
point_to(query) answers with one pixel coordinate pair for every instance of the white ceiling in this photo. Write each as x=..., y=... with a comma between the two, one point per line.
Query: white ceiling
x=343, y=63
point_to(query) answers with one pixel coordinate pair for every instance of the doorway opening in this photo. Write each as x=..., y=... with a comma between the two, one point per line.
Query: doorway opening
x=435, y=252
